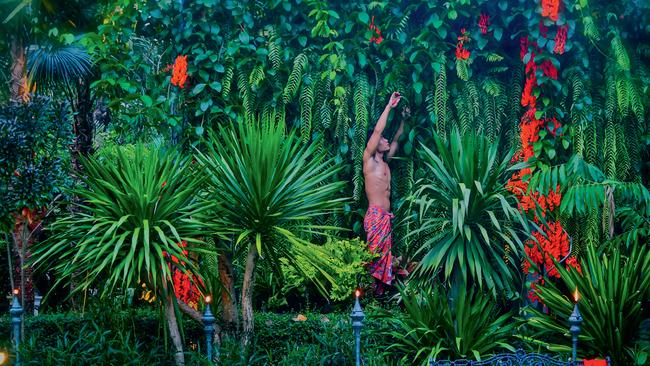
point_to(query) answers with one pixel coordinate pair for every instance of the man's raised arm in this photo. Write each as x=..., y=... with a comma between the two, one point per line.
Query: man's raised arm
x=395, y=144
x=373, y=141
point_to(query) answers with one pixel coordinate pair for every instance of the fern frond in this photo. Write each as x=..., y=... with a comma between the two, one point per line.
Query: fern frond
x=590, y=30
x=361, y=92
x=341, y=112
x=299, y=64
x=401, y=26
x=226, y=81
x=513, y=105
x=609, y=150
x=245, y=93
x=440, y=96
x=623, y=165
x=620, y=53
x=256, y=76
x=274, y=51
x=493, y=57
x=306, y=105
x=462, y=69
x=493, y=87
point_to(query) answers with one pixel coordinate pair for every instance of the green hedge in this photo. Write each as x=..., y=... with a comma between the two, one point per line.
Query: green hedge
x=279, y=339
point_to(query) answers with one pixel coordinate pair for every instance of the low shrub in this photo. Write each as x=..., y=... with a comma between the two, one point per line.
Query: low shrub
x=135, y=336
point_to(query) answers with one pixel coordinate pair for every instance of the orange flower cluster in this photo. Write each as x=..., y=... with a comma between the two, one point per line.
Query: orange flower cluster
x=179, y=73
x=552, y=242
x=560, y=40
x=185, y=290
x=572, y=262
x=545, y=248
x=483, y=23
x=376, y=37
x=185, y=287
x=527, y=97
x=529, y=133
x=462, y=53
x=550, y=9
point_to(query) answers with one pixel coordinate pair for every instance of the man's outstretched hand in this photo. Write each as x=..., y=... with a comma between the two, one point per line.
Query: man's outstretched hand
x=394, y=99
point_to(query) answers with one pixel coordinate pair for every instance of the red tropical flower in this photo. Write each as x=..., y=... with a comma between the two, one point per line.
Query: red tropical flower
x=464, y=35
x=527, y=97
x=179, y=73
x=549, y=69
x=462, y=53
x=572, y=262
x=376, y=37
x=483, y=23
x=550, y=9
x=560, y=39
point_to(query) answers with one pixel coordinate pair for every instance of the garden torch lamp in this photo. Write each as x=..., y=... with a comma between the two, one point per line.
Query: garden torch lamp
x=575, y=320
x=16, y=312
x=208, y=323
x=357, y=322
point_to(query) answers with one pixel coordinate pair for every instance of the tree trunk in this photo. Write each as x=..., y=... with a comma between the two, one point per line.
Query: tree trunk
x=247, y=296
x=83, y=125
x=18, y=62
x=174, y=333
x=228, y=299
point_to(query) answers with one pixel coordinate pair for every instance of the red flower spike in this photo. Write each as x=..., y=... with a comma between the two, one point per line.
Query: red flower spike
x=560, y=40
x=375, y=38
x=462, y=53
x=483, y=23
x=164, y=184
x=179, y=73
x=550, y=9
x=549, y=69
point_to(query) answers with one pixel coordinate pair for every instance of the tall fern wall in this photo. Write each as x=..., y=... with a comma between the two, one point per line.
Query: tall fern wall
x=312, y=63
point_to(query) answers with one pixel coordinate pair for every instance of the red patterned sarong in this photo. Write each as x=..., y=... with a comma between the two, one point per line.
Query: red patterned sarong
x=379, y=237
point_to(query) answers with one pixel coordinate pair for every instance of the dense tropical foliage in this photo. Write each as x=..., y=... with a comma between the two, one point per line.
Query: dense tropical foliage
x=182, y=149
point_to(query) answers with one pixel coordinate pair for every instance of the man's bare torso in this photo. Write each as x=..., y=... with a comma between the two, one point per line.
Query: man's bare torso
x=377, y=182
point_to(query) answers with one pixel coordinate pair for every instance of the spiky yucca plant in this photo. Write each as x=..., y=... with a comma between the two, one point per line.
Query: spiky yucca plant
x=435, y=327
x=612, y=289
x=134, y=206
x=464, y=202
x=268, y=188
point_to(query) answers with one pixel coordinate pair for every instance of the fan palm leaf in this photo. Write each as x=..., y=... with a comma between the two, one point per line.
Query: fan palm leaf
x=58, y=65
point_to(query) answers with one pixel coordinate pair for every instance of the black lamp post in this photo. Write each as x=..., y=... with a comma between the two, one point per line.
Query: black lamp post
x=16, y=312
x=208, y=323
x=575, y=320
x=357, y=317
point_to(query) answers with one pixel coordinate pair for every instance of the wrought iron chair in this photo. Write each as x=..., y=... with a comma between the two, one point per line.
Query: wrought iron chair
x=519, y=358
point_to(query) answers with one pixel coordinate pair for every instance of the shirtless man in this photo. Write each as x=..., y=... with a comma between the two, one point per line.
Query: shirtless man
x=377, y=183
